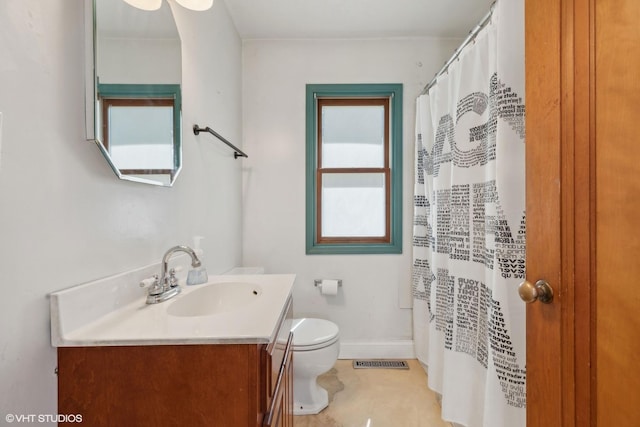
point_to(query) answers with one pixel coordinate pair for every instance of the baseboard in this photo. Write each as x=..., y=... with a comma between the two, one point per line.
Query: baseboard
x=402, y=349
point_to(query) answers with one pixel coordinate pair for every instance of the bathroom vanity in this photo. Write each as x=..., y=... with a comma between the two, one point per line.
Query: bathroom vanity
x=231, y=367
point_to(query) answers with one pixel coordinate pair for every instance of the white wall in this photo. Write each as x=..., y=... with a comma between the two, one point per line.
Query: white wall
x=64, y=216
x=275, y=72
x=149, y=61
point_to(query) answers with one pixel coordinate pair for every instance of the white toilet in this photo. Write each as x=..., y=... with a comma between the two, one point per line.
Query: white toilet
x=315, y=351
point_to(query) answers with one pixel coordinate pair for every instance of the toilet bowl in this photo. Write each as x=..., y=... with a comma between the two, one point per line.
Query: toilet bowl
x=315, y=351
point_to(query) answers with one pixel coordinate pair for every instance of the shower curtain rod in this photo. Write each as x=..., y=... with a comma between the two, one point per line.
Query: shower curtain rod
x=472, y=35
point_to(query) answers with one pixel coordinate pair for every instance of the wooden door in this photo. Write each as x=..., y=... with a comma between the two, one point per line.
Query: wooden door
x=544, y=209
x=583, y=211
x=617, y=150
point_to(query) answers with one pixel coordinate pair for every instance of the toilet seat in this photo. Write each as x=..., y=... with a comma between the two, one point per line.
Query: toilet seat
x=313, y=334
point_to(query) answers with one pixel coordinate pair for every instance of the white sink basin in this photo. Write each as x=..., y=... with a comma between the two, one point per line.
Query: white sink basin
x=215, y=298
x=229, y=309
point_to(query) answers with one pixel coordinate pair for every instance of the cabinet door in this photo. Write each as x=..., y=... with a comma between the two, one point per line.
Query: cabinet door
x=281, y=409
x=164, y=385
x=276, y=355
x=287, y=401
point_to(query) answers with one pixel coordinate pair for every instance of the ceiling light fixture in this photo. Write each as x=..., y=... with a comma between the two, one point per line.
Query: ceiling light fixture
x=145, y=4
x=196, y=4
x=150, y=5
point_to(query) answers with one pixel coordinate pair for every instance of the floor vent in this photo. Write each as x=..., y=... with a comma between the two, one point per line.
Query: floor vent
x=380, y=364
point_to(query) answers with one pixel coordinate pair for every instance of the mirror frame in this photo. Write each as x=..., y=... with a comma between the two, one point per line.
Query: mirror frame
x=137, y=91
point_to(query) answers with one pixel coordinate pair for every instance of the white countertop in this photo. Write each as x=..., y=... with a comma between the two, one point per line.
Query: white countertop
x=113, y=312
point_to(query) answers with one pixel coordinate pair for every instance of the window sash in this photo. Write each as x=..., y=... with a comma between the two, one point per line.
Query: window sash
x=385, y=171
x=109, y=102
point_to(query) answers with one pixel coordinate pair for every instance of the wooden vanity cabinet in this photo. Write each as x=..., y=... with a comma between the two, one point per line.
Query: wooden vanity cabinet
x=222, y=385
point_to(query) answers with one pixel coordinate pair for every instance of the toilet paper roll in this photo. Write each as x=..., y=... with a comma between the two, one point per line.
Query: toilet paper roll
x=329, y=287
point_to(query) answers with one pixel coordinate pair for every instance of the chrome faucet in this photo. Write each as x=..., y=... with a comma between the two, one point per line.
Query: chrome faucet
x=166, y=286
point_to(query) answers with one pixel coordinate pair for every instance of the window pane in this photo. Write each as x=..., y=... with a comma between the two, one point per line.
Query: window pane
x=353, y=205
x=141, y=137
x=352, y=136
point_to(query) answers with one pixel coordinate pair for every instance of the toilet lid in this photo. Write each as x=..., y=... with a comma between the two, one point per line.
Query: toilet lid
x=313, y=332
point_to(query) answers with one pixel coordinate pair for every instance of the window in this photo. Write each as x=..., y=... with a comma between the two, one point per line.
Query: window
x=354, y=169
x=139, y=129
x=138, y=134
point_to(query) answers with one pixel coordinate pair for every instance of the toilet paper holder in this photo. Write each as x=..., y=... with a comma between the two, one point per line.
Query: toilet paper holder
x=318, y=282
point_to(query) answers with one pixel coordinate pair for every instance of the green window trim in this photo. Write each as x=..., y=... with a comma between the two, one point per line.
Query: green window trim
x=394, y=93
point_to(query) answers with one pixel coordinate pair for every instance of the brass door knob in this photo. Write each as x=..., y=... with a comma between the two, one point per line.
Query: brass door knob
x=541, y=291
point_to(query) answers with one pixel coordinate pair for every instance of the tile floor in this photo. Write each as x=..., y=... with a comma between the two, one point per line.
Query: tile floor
x=376, y=398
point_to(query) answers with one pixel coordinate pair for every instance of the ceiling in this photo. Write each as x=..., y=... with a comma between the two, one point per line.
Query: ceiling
x=300, y=19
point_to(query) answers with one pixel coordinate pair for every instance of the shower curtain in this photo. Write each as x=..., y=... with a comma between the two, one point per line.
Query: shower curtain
x=469, y=228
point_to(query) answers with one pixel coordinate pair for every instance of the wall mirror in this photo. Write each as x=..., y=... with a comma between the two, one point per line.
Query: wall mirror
x=134, y=90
